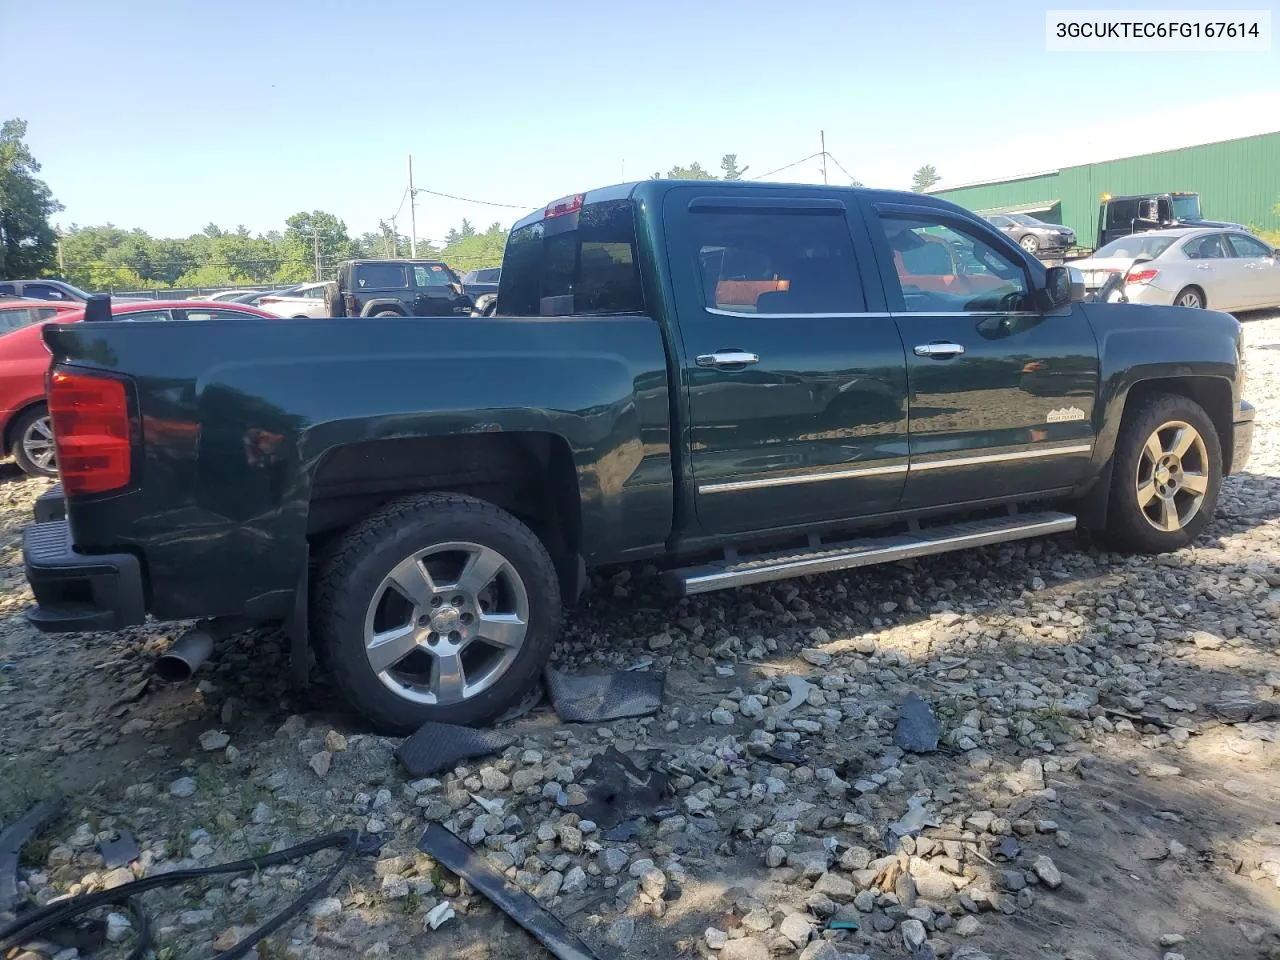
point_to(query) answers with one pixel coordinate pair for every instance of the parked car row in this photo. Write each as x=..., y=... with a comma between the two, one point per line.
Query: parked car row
x=24, y=360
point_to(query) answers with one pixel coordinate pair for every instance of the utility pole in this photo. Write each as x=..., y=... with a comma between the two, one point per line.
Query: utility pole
x=413, y=215
x=823, y=134
x=315, y=237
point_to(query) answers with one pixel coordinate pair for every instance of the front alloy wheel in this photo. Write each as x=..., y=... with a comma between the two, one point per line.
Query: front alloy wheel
x=1173, y=476
x=446, y=623
x=1030, y=243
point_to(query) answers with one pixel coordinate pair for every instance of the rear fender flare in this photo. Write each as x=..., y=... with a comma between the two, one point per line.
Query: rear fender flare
x=374, y=306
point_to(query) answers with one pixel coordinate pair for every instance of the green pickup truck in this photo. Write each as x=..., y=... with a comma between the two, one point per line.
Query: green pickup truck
x=741, y=381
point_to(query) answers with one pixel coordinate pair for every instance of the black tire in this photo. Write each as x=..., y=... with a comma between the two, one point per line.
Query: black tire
x=352, y=576
x=1131, y=529
x=18, y=449
x=1191, y=297
x=1030, y=243
x=388, y=313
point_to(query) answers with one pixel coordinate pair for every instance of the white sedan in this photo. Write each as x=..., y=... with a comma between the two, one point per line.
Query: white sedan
x=1190, y=267
x=300, y=303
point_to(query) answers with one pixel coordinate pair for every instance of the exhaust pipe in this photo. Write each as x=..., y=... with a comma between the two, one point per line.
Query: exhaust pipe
x=189, y=652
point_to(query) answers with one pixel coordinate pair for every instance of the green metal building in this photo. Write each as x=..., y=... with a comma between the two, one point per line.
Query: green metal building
x=1238, y=181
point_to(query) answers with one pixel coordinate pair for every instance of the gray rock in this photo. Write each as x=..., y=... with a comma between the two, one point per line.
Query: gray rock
x=748, y=948
x=722, y=717
x=917, y=729
x=836, y=887
x=212, y=740
x=326, y=907
x=1047, y=872
x=758, y=920
x=1013, y=880
x=796, y=928
x=654, y=884
x=612, y=861
x=913, y=933
x=821, y=950
x=118, y=927
x=549, y=886
x=621, y=932
x=715, y=938
x=967, y=926
x=183, y=787
x=575, y=881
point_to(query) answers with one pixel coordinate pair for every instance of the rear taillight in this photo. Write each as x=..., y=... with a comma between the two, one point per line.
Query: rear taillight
x=90, y=417
x=1140, y=276
x=268, y=300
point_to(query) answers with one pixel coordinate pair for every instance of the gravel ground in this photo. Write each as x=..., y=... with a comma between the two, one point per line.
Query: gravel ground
x=1095, y=796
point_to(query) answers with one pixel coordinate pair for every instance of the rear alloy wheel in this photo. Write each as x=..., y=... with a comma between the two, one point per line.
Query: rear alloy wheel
x=33, y=446
x=437, y=607
x=1167, y=474
x=388, y=313
x=1030, y=243
x=1190, y=297
x=446, y=623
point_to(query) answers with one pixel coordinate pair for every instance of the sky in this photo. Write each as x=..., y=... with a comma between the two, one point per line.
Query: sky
x=167, y=116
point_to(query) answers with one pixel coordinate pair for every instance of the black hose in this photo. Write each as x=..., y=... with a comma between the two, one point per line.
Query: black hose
x=63, y=911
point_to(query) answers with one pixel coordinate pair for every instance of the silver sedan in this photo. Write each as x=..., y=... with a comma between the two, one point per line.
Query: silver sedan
x=1191, y=267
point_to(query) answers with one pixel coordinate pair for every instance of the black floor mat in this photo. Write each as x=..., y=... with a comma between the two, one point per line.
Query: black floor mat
x=441, y=746
x=619, y=788
x=609, y=696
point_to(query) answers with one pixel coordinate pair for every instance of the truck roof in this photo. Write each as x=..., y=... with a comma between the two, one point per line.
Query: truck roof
x=656, y=188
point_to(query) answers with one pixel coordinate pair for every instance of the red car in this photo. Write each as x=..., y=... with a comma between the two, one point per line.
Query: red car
x=24, y=360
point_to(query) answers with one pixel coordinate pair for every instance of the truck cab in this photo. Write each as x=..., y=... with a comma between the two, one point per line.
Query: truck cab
x=1121, y=216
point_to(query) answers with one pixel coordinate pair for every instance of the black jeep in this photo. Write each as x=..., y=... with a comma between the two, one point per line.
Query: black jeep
x=397, y=288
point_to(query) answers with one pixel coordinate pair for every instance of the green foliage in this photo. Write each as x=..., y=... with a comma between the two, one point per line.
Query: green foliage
x=466, y=249
x=28, y=245
x=924, y=178
x=729, y=164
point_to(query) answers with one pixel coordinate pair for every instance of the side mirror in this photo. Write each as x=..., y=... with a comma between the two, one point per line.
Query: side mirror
x=1063, y=286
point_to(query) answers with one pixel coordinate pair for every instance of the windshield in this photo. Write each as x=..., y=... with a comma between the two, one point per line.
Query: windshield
x=1023, y=219
x=1135, y=246
x=1186, y=207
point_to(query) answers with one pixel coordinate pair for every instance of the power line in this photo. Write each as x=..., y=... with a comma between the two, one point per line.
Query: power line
x=842, y=169
x=485, y=203
x=788, y=166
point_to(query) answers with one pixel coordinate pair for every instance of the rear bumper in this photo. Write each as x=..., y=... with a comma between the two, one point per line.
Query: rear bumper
x=77, y=591
x=1242, y=437
x=50, y=505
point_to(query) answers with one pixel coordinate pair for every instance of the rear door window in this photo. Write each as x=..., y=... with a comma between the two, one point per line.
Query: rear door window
x=577, y=263
x=777, y=262
x=381, y=276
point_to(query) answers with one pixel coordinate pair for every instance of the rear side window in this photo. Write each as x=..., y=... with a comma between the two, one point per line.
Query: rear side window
x=381, y=276
x=6, y=289
x=1208, y=247
x=578, y=263
x=432, y=275
x=16, y=318
x=777, y=262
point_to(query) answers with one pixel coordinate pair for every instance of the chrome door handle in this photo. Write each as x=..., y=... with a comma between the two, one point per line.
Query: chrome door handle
x=727, y=358
x=1202, y=266
x=939, y=351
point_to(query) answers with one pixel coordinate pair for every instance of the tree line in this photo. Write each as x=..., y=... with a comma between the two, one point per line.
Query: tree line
x=111, y=257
